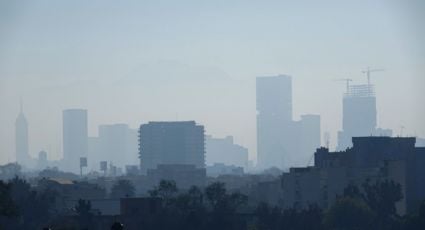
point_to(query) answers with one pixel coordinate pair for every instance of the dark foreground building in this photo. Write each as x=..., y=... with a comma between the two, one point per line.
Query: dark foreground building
x=370, y=158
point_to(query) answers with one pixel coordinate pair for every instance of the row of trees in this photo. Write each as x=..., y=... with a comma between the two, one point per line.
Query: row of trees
x=370, y=206
x=211, y=208
x=21, y=207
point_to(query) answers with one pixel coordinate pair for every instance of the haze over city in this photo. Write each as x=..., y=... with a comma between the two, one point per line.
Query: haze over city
x=206, y=115
x=134, y=62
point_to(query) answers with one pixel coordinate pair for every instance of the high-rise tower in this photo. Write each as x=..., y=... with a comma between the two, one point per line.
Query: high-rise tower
x=75, y=138
x=21, y=138
x=274, y=119
x=359, y=114
x=281, y=141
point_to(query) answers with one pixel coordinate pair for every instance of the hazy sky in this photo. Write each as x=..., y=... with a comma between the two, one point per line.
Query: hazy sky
x=137, y=61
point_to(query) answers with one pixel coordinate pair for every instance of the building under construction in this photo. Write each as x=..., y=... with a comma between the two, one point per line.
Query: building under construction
x=359, y=114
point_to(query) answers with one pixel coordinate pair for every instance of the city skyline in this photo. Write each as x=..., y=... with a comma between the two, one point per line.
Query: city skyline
x=206, y=115
x=215, y=63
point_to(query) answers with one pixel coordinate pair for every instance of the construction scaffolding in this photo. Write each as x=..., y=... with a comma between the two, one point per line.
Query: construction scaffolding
x=367, y=90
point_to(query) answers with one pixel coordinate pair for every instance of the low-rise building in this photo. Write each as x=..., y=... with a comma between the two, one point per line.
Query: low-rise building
x=218, y=169
x=225, y=151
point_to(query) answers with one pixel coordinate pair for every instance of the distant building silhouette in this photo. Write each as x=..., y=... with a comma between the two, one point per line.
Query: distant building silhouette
x=307, y=134
x=162, y=143
x=42, y=161
x=218, y=169
x=359, y=115
x=281, y=141
x=21, y=138
x=75, y=138
x=224, y=150
x=94, y=153
x=72, y=190
x=274, y=119
x=116, y=143
x=420, y=142
x=185, y=175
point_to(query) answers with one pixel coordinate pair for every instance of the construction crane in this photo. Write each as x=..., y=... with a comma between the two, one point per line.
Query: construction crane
x=347, y=80
x=368, y=70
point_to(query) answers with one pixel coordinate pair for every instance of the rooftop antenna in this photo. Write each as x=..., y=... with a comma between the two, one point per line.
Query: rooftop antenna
x=368, y=70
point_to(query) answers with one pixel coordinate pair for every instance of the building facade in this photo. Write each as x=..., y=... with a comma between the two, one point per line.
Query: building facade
x=21, y=139
x=173, y=143
x=224, y=150
x=358, y=114
x=75, y=138
x=116, y=144
x=274, y=119
x=370, y=159
x=281, y=141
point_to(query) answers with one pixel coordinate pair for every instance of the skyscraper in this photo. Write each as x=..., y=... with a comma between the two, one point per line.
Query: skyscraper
x=309, y=138
x=274, y=119
x=281, y=141
x=75, y=138
x=359, y=114
x=171, y=143
x=21, y=138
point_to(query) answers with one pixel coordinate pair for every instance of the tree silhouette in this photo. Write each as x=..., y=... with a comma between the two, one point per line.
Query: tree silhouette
x=349, y=214
x=34, y=207
x=353, y=192
x=416, y=221
x=275, y=218
x=216, y=194
x=7, y=206
x=117, y=226
x=83, y=210
x=122, y=188
x=224, y=207
x=167, y=190
x=191, y=209
x=267, y=217
x=381, y=197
